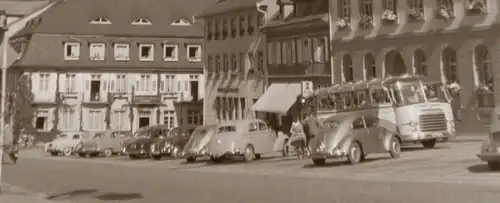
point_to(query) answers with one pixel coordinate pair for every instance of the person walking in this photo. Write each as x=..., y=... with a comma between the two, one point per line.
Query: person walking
x=311, y=129
x=298, y=138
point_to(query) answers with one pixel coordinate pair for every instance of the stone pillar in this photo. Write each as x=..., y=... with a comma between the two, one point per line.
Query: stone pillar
x=466, y=74
x=380, y=63
x=434, y=62
x=358, y=65
x=408, y=54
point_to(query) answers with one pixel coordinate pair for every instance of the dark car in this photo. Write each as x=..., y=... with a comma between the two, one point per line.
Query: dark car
x=145, y=137
x=172, y=144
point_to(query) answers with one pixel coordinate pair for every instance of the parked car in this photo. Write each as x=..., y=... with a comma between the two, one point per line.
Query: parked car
x=66, y=143
x=197, y=146
x=172, y=144
x=48, y=145
x=248, y=139
x=353, y=136
x=146, y=136
x=490, y=149
x=104, y=143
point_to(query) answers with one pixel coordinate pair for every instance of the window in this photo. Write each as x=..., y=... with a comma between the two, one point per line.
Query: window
x=95, y=120
x=121, y=83
x=72, y=51
x=122, y=52
x=68, y=118
x=209, y=65
x=484, y=64
x=141, y=21
x=234, y=27
x=390, y=5
x=193, y=117
x=242, y=64
x=253, y=127
x=242, y=26
x=41, y=120
x=234, y=64
x=226, y=63
x=371, y=121
x=44, y=82
x=319, y=45
x=347, y=69
x=145, y=83
x=345, y=9
x=169, y=84
x=119, y=120
x=225, y=28
x=450, y=65
x=170, y=52
x=169, y=119
x=217, y=29
x=209, y=30
x=146, y=52
x=367, y=8
x=370, y=68
x=260, y=65
x=304, y=49
x=97, y=51
x=250, y=24
x=262, y=126
x=194, y=53
x=226, y=129
x=100, y=20
x=181, y=22
x=70, y=83
x=358, y=124
x=277, y=53
x=416, y=11
x=445, y=8
x=217, y=64
x=420, y=62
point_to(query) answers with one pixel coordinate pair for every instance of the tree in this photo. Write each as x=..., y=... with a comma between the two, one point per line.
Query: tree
x=20, y=107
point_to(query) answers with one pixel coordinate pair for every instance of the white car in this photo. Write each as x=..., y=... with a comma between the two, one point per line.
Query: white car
x=65, y=144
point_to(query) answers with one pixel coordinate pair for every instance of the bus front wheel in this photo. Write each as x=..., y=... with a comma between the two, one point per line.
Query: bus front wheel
x=429, y=144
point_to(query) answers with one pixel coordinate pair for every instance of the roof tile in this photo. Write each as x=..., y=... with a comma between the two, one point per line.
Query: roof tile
x=224, y=6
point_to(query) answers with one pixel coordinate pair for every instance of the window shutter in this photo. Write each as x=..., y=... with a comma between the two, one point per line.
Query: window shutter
x=104, y=85
x=112, y=85
x=154, y=85
x=87, y=84
x=137, y=85
x=162, y=85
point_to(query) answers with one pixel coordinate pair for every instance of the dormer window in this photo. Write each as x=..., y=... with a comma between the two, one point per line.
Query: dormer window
x=101, y=21
x=181, y=22
x=141, y=21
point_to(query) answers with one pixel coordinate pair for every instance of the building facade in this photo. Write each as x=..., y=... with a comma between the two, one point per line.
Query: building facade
x=449, y=40
x=234, y=58
x=114, y=67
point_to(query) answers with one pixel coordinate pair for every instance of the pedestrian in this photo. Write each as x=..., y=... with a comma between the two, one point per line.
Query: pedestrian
x=311, y=129
x=298, y=138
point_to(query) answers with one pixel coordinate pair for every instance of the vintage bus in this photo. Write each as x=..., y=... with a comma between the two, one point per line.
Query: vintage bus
x=416, y=108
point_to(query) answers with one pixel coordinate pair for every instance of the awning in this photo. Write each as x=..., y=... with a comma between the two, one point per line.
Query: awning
x=278, y=98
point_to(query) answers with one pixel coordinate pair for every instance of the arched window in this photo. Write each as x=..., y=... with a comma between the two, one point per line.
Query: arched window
x=483, y=64
x=420, y=62
x=347, y=69
x=370, y=68
x=450, y=65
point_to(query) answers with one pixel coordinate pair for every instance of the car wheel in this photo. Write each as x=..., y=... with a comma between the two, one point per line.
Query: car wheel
x=494, y=165
x=249, y=154
x=133, y=157
x=395, y=148
x=319, y=162
x=191, y=159
x=355, y=153
x=108, y=152
x=156, y=157
x=216, y=159
x=83, y=155
x=54, y=153
x=68, y=151
x=429, y=144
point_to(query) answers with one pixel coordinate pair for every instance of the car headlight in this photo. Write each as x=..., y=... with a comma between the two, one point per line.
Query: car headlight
x=413, y=124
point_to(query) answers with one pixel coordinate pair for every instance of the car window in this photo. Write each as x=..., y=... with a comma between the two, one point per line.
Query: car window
x=358, y=123
x=226, y=129
x=263, y=126
x=113, y=135
x=76, y=136
x=371, y=121
x=254, y=127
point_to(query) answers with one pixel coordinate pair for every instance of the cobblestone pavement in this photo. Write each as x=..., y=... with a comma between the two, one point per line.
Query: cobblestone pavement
x=451, y=172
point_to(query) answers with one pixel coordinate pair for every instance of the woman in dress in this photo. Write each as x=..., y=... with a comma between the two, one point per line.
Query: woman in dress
x=298, y=139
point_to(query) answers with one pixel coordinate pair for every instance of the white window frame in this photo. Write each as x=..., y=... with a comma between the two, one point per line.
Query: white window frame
x=121, y=83
x=176, y=52
x=44, y=79
x=68, y=120
x=76, y=55
x=95, y=121
x=152, y=52
x=42, y=114
x=97, y=51
x=169, y=118
x=70, y=82
x=119, y=119
x=122, y=55
x=195, y=59
x=145, y=82
x=169, y=83
x=193, y=116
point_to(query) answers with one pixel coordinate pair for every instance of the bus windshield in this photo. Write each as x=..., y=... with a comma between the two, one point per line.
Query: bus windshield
x=408, y=94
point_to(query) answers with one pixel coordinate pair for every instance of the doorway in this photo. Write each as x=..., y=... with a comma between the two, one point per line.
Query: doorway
x=143, y=122
x=95, y=90
x=194, y=90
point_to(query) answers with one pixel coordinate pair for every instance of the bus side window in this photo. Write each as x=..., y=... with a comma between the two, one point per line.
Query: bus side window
x=355, y=99
x=331, y=102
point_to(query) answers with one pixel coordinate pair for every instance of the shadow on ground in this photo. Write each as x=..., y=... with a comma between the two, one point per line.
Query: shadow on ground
x=481, y=168
x=93, y=193
x=341, y=162
x=417, y=148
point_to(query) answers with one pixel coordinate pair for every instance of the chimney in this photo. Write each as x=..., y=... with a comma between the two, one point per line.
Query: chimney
x=3, y=19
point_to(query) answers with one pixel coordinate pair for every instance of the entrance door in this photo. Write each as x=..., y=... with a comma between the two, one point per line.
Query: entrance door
x=95, y=90
x=194, y=90
x=143, y=122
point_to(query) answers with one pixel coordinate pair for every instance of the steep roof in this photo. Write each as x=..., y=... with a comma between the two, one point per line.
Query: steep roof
x=73, y=17
x=17, y=7
x=224, y=6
